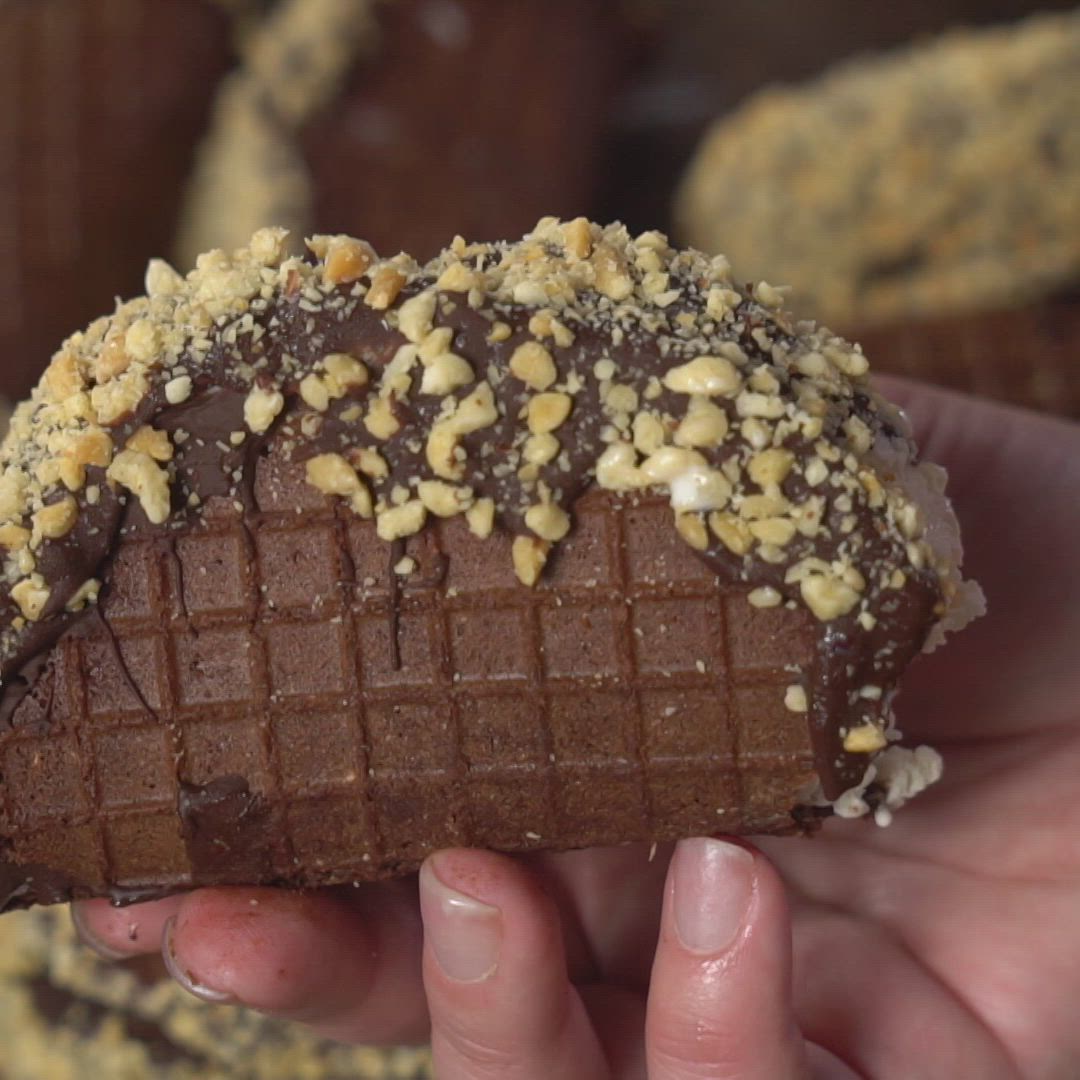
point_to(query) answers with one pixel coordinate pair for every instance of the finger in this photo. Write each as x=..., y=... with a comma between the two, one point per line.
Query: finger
x=348, y=967
x=720, y=998
x=495, y=972
x=120, y=933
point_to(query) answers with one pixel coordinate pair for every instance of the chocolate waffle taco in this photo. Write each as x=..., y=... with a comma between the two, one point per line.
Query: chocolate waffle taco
x=314, y=565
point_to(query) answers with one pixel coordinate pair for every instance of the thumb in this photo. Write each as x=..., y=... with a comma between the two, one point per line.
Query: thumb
x=720, y=995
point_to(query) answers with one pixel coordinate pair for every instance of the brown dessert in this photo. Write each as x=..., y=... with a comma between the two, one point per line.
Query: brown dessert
x=64, y=1012
x=934, y=180
x=313, y=566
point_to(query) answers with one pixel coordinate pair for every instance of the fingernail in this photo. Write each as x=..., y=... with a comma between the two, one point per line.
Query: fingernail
x=465, y=934
x=90, y=939
x=713, y=885
x=184, y=977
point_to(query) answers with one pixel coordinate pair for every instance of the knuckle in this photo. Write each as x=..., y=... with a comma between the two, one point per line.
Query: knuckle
x=692, y=1045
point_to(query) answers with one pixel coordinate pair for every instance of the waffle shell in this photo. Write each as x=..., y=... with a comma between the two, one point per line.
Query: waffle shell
x=262, y=699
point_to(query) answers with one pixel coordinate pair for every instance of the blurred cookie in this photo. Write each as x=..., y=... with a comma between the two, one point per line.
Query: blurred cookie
x=65, y=1015
x=407, y=121
x=939, y=178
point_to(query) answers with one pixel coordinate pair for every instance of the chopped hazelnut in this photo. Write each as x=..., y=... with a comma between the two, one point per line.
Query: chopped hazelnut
x=795, y=698
x=699, y=488
x=865, y=739
x=755, y=507
x=457, y=277
x=616, y=468
x=756, y=432
x=442, y=499
x=415, y=315
x=439, y=341
x=380, y=420
x=114, y=400
x=816, y=471
x=401, y=521
x=621, y=399
x=386, y=284
x=161, y=279
x=540, y=449
x=769, y=468
x=446, y=373
x=346, y=260
x=827, y=596
x=314, y=392
x=442, y=442
x=612, y=280
x=692, y=529
x=142, y=341
x=548, y=521
x=755, y=404
x=146, y=480
x=481, y=517
x=776, y=531
x=577, y=237
x=92, y=447
x=705, y=424
x=113, y=360
x=533, y=365
x=711, y=376
x=57, y=519
x=154, y=443
x=731, y=532
x=547, y=412
x=649, y=433
x=333, y=475
x=529, y=555
x=765, y=596
x=87, y=593
x=178, y=390
x=669, y=462
x=31, y=594
x=13, y=537
x=343, y=373
x=63, y=378
x=369, y=462
x=261, y=409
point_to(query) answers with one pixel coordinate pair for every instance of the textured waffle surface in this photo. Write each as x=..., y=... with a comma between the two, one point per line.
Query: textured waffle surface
x=376, y=716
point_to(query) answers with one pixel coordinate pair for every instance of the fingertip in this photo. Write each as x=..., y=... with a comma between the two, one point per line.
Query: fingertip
x=311, y=957
x=270, y=949
x=495, y=973
x=120, y=933
x=720, y=996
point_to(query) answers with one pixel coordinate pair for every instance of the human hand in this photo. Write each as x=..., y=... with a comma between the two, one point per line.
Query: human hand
x=947, y=945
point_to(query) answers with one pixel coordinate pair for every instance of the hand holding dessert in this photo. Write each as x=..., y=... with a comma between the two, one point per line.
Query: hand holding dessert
x=959, y=921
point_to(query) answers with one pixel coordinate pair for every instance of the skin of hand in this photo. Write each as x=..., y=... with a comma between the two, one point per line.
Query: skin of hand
x=947, y=945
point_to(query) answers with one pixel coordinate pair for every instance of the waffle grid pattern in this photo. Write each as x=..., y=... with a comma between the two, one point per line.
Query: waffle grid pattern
x=627, y=696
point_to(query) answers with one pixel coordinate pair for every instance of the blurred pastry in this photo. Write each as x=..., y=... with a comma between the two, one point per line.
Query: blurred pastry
x=941, y=178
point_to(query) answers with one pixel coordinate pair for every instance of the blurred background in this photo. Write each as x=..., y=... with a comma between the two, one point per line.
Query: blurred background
x=911, y=170
x=945, y=175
